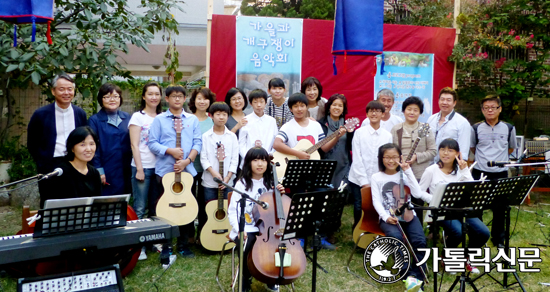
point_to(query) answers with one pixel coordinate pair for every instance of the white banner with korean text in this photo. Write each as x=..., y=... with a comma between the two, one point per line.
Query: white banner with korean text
x=269, y=48
x=406, y=74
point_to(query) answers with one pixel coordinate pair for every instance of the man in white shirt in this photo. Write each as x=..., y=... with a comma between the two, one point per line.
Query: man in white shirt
x=261, y=128
x=386, y=97
x=50, y=126
x=450, y=124
x=365, y=144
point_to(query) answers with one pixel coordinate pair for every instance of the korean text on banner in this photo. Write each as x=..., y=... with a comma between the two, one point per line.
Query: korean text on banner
x=268, y=48
x=406, y=74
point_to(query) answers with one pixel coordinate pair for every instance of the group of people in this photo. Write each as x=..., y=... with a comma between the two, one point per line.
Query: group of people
x=115, y=153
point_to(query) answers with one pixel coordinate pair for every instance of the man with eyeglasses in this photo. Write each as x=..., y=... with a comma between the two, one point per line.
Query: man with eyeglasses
x=450, y=124
x=493, y=140
x=50, y=126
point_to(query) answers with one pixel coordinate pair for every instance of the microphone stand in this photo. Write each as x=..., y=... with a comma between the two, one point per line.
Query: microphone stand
x=242, y=203
x=38, y=176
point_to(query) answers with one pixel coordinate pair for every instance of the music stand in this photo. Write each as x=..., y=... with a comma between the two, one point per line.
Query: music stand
x=103, y=214
x=309, y=174
x=314, y=209
x=303, y=175
x=459, y=200
x=514, y=191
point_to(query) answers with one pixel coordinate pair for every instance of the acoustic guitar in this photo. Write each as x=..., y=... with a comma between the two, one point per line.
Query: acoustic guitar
x=306, y=146
x=177, y=204
x=217, y=227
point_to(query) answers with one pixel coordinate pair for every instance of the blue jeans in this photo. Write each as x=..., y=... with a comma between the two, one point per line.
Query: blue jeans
x=416, y=237
x=212, y=194
x=145, y=192
x=355, y=191
x=478, y=233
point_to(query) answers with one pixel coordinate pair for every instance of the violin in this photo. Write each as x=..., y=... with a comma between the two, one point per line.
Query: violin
x=270, y=247
x=402, y=199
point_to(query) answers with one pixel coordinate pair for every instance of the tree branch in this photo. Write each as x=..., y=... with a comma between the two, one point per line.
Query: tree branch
x=66, y=18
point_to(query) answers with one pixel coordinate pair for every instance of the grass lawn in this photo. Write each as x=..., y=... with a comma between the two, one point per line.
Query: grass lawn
x=197, y=274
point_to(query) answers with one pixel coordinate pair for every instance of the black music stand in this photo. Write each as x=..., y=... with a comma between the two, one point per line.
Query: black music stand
x=302, y=176
x=318, y=210
x=309, y=174
x=514, y=191
x=460, y=200
x=71, y=219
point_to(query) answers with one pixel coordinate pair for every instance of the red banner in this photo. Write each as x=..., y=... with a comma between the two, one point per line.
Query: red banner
x=357, y=84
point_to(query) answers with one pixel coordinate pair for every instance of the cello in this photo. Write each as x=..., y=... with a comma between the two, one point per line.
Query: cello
x=270, y=246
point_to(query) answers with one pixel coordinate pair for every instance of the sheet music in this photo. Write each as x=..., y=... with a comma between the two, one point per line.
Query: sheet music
x=436, y=201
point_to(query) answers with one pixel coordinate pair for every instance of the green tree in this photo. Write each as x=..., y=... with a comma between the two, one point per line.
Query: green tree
x=88, y=35
x=314, y=9
x=503, y=48
x=420, y=12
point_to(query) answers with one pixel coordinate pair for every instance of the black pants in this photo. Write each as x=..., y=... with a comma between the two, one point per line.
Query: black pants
x=251, y=239
x=186, y=231
x=198, y=192
x=499, y=207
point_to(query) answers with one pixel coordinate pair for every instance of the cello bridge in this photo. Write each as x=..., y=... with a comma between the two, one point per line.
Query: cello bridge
x=280, y=232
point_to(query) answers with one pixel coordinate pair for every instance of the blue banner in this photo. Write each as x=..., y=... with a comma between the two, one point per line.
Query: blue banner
x=269, y=48
x=406, y=74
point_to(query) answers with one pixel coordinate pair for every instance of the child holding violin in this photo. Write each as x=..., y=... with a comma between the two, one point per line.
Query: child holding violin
x=256, y=179
x=452, y=168
x=390, y=162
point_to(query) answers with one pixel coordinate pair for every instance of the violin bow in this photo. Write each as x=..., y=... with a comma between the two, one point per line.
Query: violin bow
x=407, y=242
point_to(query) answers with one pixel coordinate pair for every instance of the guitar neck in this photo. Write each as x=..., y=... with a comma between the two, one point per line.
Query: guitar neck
x=413, y=149
x=178, y=145
x=220, y=192
x=322, y=142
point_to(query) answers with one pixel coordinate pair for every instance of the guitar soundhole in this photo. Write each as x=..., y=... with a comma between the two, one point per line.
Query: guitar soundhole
x=220, y=214
x=177, y=187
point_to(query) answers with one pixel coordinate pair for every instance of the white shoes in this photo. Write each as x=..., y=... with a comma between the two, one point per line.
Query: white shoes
x=173, y=258
x=142, y=255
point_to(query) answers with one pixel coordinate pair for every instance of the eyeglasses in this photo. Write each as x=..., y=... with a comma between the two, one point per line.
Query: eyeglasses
x=112, y=97
x=388, y=158
x=177, y=96
x=490, y=108
x=237, y=98
x=375, y=111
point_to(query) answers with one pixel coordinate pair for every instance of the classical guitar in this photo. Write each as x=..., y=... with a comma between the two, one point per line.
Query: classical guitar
x=217, y=227
x=306, y=146
x=270, y=246
x=369, y=221
x=177, y=204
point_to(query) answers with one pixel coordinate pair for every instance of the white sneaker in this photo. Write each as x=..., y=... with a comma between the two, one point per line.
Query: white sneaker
x=172, y=260
x=473, y=270
x=157, y=247
x=142, y=255
x=412, y=284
